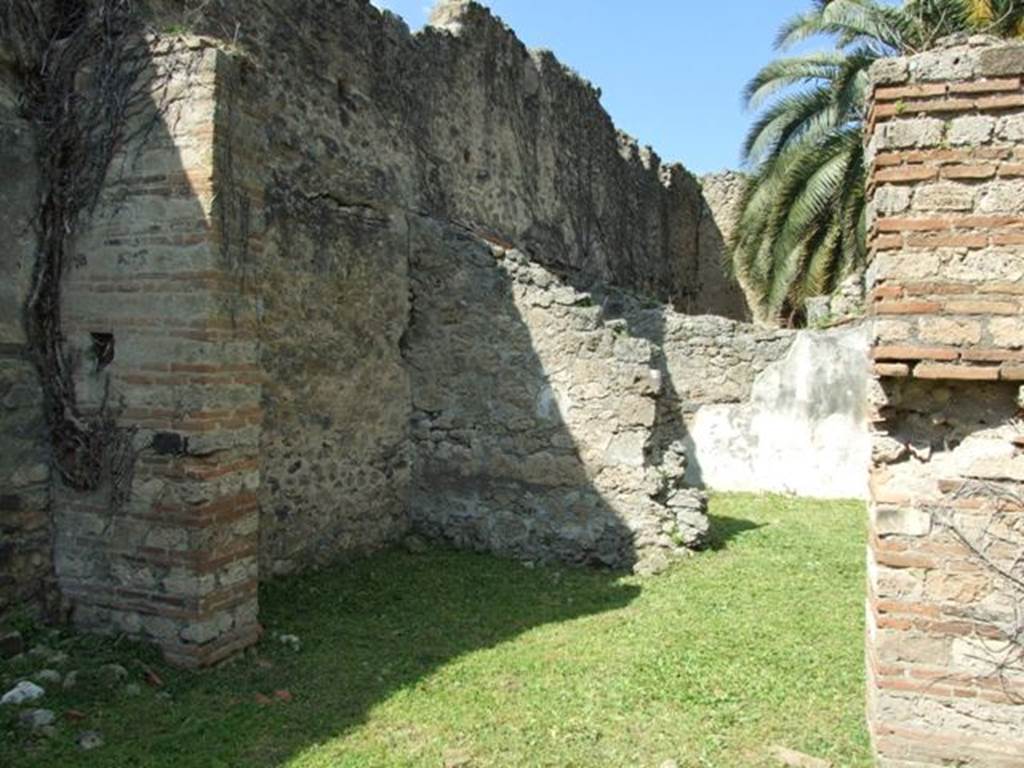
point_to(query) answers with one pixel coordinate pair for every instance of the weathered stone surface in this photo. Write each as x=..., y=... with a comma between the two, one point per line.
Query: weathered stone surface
x=535, y=420
x=945, y=675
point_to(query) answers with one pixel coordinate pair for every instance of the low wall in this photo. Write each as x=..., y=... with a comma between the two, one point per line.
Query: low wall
x=804, y=428
x=760, y=409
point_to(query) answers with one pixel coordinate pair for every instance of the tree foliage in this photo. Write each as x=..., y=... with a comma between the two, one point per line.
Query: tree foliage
x=802, y=223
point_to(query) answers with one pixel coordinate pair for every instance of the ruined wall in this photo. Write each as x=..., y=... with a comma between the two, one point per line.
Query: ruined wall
x=800, y=425
x=760, y=409
x=946, y=678
x=534, y=420
x=722, y=194
x=462, y=122
x=162, y=329
x=25, y=526
x=344, y=125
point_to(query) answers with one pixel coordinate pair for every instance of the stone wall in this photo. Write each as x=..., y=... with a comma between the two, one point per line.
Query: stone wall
x=344, y=125
x=462, y=122
x=534, y=419
x=760, y=409
x=26, y=564
x=800, y=426
x=946, y=678
x=722, y=193
x=162, y=329
x=243, y=292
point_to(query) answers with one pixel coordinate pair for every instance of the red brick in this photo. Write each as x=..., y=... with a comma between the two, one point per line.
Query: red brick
x=1011, y=371
x=988, y=355
x=975, y=171
x=982, y=308
x=938, y=105
x=883, y=111
x=903, y=224
x=905, y=174
x=914, y=353
x=907, y=307
x=892, y=371
x=943, y=289
x=888, y=159
x=895, y=93
x=981, y=221
x=1001, y=102
x=886, y=242
x=996, y=85
x=887, y=292
x=1011, y=170
x=942, y=371
x=1004, y=238
x=950, y=240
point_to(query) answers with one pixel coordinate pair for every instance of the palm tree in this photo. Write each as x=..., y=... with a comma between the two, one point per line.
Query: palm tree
x=802, y=223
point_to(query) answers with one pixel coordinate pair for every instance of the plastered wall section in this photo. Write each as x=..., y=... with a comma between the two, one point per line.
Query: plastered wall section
x=946, y=146
x=760, y=409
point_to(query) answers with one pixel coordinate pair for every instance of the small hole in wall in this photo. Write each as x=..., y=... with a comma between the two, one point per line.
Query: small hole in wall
x=467, y=156
x=102, y=349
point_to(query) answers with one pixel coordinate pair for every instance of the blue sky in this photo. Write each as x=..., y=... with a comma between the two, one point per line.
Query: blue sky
x=671, y=71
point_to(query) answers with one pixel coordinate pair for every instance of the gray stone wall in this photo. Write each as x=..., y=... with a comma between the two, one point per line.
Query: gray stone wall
x=25, y=523
x=462, y=122
x=342, y=125
x=722, y=193
x=534, y=423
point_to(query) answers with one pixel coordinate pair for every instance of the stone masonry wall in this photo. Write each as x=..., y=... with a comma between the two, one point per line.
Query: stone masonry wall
x=167, y=550
x=534, y=419
x=946, y=679
x=345, y=125
x=26, y=533
x=462, y=122
x=722, y=194
x=760, y=409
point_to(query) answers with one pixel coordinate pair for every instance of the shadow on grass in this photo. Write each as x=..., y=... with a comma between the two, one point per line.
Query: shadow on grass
x=368, y=629
x=725, y=529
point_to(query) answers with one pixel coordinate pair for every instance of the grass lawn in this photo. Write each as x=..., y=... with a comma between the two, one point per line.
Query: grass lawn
x=465, y=660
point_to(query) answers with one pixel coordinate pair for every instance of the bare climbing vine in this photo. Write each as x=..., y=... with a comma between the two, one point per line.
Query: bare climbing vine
x=80, y=62
x=996, y=547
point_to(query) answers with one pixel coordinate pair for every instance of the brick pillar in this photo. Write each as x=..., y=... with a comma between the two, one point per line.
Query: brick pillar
x=170, y=553
x=945, y=605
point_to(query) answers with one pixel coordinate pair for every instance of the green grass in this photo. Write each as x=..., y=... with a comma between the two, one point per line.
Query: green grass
x=418, y=660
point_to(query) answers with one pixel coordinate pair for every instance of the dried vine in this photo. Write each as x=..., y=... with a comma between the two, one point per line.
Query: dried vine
x=1002, y=532
x=80, y=62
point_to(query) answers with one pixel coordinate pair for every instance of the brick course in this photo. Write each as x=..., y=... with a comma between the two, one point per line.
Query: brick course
x=946, y=289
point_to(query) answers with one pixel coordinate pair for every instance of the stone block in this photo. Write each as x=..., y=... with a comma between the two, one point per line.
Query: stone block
x=1002, y=60
x=944, y=197
x=910, y=133
x=902, y=521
